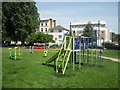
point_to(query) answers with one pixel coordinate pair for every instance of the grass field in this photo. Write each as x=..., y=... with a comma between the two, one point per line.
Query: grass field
x=112, y=53
x=29, y=73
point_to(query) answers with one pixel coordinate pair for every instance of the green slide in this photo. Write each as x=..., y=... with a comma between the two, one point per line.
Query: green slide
x=53, y=58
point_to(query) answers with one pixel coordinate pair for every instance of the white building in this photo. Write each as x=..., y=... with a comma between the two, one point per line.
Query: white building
x=45, y=25
x=58, y=33
x=100, y=26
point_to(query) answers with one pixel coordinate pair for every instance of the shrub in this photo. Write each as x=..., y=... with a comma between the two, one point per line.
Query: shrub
x=111, y=45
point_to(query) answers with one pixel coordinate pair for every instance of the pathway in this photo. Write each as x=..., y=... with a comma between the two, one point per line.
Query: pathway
x=113, y=59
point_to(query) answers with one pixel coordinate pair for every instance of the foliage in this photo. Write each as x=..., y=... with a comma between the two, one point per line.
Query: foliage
x=88, y=31
x=116, y=38
x=19, y=19
x=40, y=38
x=55, y=46
x=109, y=45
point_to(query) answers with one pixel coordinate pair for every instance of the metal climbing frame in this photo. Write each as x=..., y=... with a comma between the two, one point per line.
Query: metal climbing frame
x=71, y=45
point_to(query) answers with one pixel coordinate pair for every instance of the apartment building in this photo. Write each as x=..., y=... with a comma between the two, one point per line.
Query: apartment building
x=99, y=26
x=45, y=25
x=58, y=33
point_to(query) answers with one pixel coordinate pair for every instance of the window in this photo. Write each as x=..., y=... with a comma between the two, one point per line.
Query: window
x=73, y=26
x=41, y=29
x=93, y=25
x=80, y=26
x=102, y=31
x=46, y=24
x=41, y=24
x=59, y=36
x=51, y=30
x=60, y=30
x=103, y=25
x=55, y=30
x=46, y=29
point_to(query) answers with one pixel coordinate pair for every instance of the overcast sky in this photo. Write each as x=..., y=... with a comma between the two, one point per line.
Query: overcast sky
x=66, y=12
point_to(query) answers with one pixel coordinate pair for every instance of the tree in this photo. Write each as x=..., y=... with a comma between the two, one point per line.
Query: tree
x=88, y=31
x=19, y=19
x=39, y=38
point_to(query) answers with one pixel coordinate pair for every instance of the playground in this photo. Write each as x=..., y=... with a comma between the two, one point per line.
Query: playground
x=29, y=72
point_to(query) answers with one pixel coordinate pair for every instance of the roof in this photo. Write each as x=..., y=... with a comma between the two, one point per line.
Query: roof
x=59, y=27
x=86, y=22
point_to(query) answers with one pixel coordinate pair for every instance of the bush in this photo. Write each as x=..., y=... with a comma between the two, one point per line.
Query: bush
x=55, y=46
x=111, y=46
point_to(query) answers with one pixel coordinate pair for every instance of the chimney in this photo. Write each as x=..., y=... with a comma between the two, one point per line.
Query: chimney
x=54, y=23
x=50, y=22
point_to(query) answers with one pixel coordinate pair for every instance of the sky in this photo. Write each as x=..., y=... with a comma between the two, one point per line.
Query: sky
x=66, y=12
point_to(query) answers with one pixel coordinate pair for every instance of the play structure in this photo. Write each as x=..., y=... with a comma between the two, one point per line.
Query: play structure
x=77, y=50
x=15, y=53
x=31, y=49
x=45, y=53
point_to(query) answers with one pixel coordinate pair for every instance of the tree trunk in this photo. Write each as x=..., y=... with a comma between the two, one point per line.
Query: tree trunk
x=23, y=43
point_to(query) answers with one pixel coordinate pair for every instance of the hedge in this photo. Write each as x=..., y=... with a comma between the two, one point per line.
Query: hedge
x=108, y=45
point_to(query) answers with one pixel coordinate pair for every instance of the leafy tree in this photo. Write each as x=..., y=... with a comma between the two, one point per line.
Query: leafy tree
x=19, y=19
x=88, y=31
x=39, y=38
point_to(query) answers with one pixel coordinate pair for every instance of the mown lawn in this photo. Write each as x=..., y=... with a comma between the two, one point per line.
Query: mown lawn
x=29, y=73
x=112, y=53
x=107, y=53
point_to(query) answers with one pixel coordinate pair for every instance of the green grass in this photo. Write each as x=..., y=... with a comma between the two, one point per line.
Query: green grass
x=29, y=73
x=111, y=53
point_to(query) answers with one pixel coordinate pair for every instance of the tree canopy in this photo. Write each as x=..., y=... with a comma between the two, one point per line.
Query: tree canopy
x=88, y=31
x=19, y=19
x=39, y=38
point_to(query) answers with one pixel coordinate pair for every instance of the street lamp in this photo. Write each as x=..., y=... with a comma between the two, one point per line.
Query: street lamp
x=70, y=30
x=98, y=32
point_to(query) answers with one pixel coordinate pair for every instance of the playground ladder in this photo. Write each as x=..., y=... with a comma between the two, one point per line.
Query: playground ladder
x=63, y=57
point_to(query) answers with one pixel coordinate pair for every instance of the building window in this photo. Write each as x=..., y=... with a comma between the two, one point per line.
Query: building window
x=73, y=32
x=51, y=30
x=46, y=29
x=80, y=26
x=93, y=25
x=103, y=25
x=60, y=36
x=102, y=31
x=41, y=24
x=46, y=24
x=55, y=30
x=60, y=30
x=41, y=29
x=73, y=26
